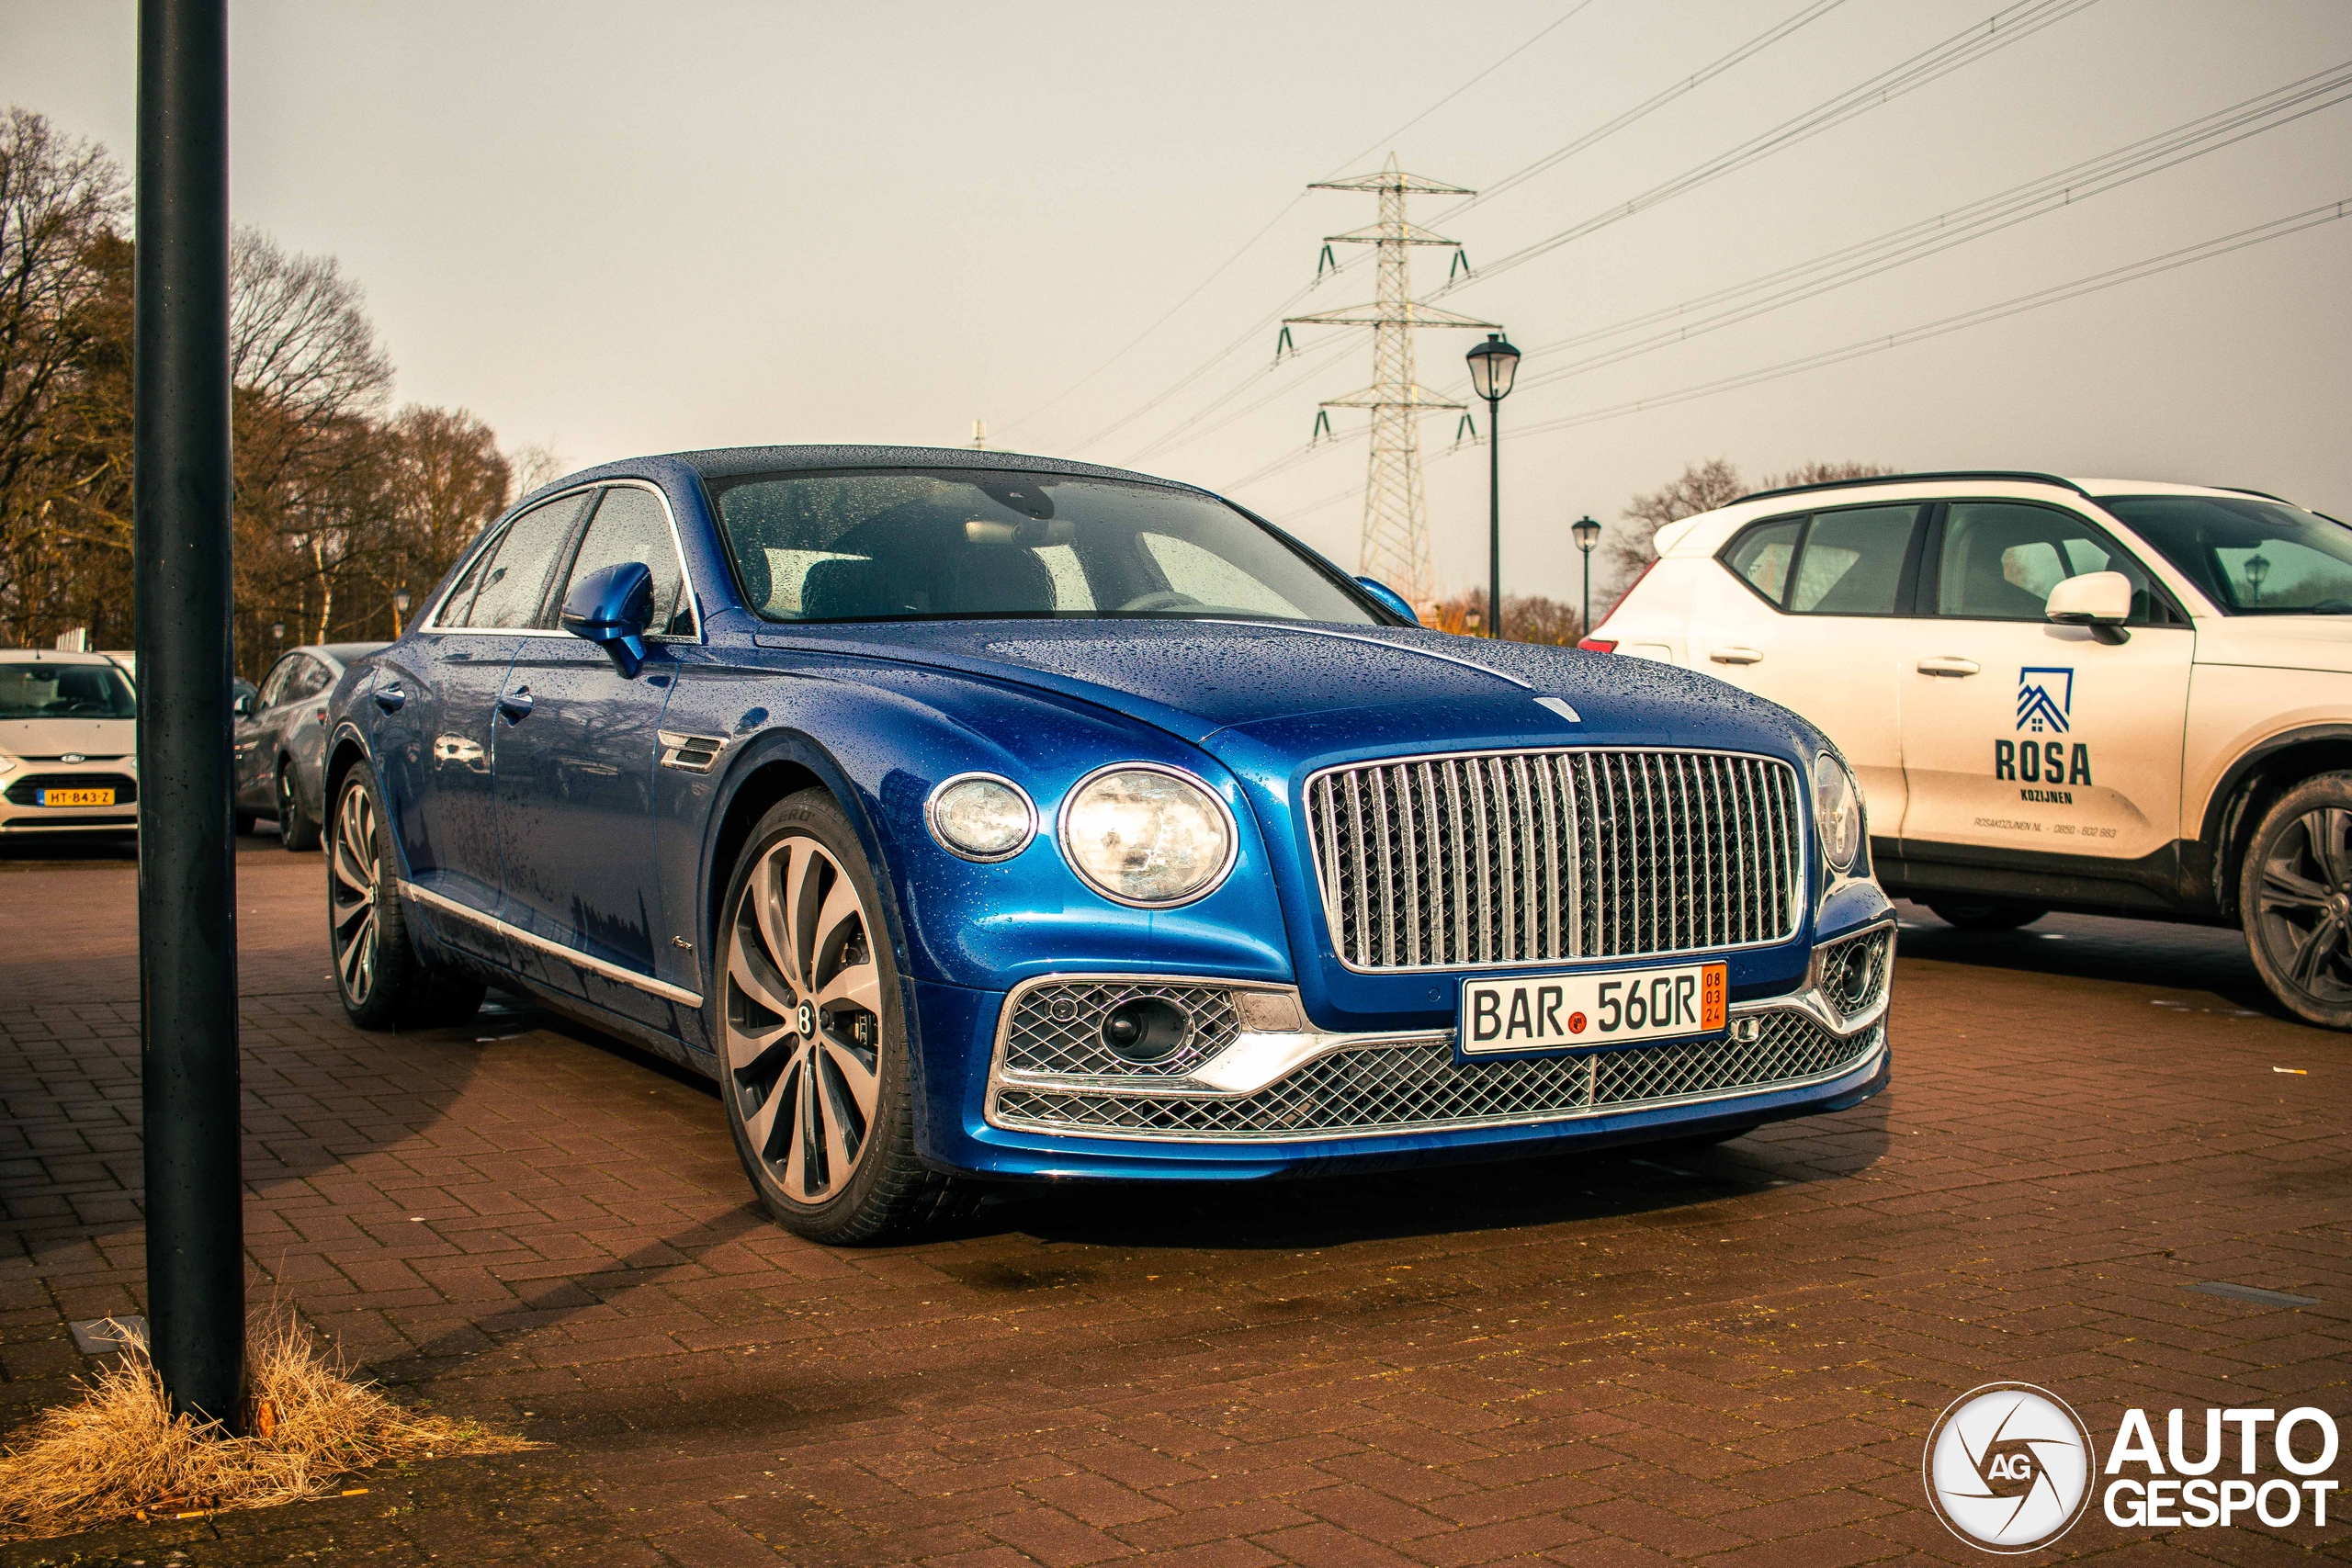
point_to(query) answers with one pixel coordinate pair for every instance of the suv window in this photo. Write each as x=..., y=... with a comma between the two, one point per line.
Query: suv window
x=1999, y=560
x=1847, y=563
x=2250, y=556
x=1851, y=561
x=515, y=582
x=630, y=525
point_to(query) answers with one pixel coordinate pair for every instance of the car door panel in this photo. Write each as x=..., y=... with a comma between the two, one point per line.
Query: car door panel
x=577, y=743
x=1831, y=653
x=2030, y=738
x=434, y=754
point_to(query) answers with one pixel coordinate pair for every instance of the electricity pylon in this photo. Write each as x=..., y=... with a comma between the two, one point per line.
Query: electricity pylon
x=1395, y=518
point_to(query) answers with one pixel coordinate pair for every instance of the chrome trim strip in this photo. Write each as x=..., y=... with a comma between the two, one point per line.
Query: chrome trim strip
x=1309, y=629
x=553, y=949
x=931, y=816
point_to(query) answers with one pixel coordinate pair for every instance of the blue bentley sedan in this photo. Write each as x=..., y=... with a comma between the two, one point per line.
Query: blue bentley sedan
x=971, y=816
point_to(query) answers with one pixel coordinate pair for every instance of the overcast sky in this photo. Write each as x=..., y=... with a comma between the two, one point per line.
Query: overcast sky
x=628, y=228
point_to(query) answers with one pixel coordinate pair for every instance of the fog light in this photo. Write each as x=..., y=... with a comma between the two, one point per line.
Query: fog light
x=1144, y=1029
x=1850, y=974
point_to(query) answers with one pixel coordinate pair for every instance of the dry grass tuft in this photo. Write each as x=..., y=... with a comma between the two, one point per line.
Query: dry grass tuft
x=121, y=1451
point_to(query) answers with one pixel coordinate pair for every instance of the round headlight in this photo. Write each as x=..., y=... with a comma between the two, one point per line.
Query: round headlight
x=1141, y=834
x=981, y=816
x=1838, y=804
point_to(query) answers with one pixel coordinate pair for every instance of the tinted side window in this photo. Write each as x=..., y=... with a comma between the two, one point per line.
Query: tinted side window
x=2000, y=560
x=630, y=525
x=273, y=685
x=1762, y=554
x=1853, y=561
x=517, y=578
x=308, y=679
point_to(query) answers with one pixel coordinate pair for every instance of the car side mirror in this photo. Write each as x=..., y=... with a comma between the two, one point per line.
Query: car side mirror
x=610, y=607
x=2100, y=600
x=243, y=706
x=1388, y=599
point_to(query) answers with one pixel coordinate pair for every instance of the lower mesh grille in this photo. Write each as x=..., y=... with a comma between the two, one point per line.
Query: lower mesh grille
x=1057, y=1029
x=1419, y=1084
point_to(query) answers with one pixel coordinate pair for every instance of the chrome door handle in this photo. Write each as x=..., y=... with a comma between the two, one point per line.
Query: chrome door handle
x=1945, y=664
x=391, y=699
x=1737, y=655
x=516, y=705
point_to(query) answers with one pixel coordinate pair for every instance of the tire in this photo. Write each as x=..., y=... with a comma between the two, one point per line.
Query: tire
x=295, y=831
x=382, y=978
x=1987, y=914
x=818, y=1091
x=2295, y=897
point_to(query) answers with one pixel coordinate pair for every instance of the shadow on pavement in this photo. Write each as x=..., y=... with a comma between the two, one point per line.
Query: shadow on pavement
x=2095, y=947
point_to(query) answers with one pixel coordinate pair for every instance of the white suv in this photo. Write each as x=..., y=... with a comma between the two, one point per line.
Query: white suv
x=2097, y=694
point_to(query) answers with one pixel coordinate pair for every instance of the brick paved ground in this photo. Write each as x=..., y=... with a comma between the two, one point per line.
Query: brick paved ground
x=1730, y=1357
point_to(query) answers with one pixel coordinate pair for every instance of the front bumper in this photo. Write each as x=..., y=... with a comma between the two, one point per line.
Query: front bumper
x=1246, y=1101
x=21, y=811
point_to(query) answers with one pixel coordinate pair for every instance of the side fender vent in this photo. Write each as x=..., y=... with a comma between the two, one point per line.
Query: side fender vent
x=690, y=753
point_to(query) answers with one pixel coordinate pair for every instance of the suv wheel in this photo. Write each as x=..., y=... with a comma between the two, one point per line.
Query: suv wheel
x=382, y=978
x=2295, y=893
x=810, y=1023
x=295, y=831
x=1987, y=914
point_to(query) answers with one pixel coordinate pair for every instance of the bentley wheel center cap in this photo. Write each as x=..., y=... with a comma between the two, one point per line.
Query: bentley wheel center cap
x=806, y=1020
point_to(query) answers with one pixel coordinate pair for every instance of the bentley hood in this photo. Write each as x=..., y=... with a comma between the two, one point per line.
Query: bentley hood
x=1257, y=687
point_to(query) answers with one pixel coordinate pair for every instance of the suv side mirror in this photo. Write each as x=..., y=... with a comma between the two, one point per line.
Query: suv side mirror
x=243, y=706
x=610, y=607
x=2100, y=600
x=1390, y=599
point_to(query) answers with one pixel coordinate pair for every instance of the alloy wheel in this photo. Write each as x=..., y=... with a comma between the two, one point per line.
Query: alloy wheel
x=803, y=1019
x=2306, y=903
x=351, y=894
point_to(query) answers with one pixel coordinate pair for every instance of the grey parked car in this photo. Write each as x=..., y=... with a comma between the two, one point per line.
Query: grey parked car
x=281, y=740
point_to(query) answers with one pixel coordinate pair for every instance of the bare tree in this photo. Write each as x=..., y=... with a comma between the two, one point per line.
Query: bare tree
x=60, y=197
x=1527, y=617
x=532, y=465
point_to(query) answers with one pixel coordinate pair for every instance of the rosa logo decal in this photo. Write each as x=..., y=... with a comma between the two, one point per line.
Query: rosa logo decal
x=2008, y=1467
x=2045, y=698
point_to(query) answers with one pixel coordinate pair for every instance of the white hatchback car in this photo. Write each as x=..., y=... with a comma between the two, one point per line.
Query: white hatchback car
x=2107, y=696
x=68, y=743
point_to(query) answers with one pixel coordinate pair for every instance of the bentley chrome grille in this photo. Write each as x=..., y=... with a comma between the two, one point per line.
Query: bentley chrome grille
x=1516, y=857
x=1417, y=1085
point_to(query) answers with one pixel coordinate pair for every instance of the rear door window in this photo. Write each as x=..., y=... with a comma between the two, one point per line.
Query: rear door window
x=1851, y=561
x=1761, y=557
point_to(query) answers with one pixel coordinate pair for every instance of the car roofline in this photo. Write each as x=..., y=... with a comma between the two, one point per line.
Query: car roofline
x=2019, y=476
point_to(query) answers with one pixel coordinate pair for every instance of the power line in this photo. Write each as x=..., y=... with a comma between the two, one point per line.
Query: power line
x=1989, y=37
x=1226, y=264
x=2262, y=234
x=1756, y=45
x=1899, y=247
x=1657, y=100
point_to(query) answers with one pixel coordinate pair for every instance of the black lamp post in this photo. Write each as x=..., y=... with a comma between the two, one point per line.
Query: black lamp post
x=1588, y=533
x=400, y=602
x=1493, y=365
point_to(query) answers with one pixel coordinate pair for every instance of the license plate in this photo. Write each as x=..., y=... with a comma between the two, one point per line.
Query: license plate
x=77, y=797
x=1551, y=1013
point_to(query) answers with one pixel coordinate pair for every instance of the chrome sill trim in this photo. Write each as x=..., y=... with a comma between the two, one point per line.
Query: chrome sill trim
x=626, y=977
x=1860, y=1068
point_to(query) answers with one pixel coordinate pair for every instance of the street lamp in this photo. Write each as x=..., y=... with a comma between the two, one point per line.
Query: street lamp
x=1493, y=365
x=400, y=602
x=277, y=633
x=1587, y=534
x=2258, y=567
